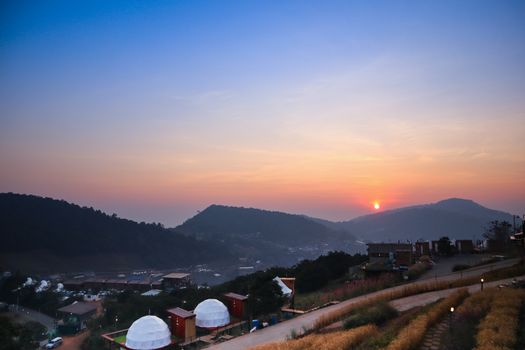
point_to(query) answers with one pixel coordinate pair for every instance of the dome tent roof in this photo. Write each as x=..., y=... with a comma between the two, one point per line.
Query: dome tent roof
x=211, y=313
x=147, y=333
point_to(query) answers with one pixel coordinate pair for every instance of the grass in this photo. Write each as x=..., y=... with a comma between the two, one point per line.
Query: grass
x=377, y=314
x=466, y=319
x=121, y=339
x=498, y=330
x=345, y=291
x=390, y=330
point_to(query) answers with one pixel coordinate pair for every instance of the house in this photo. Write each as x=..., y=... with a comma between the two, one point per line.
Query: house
x=182, y=324
x=176, y=280
x=386, y=256
x=236, y=304
x=422, y=248
x=74, y=317
x=464, y=246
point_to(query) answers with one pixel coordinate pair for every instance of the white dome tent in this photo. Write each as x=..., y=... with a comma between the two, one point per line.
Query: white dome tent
x=148, y=333
x=211, y=313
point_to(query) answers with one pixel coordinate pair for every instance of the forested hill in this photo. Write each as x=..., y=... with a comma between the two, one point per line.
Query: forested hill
x=44, y=234
x=269, y=236
x=219, y=222
x=454, y=217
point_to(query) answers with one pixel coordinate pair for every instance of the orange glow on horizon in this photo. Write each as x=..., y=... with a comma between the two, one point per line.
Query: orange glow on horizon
x=376, y=206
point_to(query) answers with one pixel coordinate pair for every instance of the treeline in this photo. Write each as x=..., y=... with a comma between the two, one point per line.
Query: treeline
x=84, y=238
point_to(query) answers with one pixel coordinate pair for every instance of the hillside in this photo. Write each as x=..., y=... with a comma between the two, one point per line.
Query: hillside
x=456, y=218
x=264, y=234
x=43, y=234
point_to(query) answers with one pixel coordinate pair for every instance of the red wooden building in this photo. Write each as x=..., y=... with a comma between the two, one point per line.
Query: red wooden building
x=182, y=323
x=236, y=304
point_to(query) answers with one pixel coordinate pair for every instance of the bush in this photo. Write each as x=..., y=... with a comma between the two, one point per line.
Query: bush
x=460, y=267
x=417, y=270
x=377, y=314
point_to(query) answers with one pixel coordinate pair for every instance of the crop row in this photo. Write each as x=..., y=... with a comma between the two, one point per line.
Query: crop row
x=498, y=330
x=412, y=335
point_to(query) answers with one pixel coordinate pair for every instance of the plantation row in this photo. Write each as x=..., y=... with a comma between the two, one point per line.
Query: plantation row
x=412, y=335
x=498, y=330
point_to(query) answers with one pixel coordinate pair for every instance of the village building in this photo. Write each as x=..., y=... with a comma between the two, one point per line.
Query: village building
x=74, y=317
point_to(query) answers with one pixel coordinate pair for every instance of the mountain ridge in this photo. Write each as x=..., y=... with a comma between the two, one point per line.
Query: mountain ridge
x=455, y=217
x=48, y=234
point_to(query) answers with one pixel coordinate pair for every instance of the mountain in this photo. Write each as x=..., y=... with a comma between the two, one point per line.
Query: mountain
x=47, y=235
x=266, y=235
x=454, y=217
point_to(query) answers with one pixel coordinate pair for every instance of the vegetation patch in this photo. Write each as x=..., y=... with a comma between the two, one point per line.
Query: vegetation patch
x=377, y=314
x=498, y=330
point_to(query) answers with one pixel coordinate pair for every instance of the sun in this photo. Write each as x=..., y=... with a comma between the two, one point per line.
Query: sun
x=376, y=205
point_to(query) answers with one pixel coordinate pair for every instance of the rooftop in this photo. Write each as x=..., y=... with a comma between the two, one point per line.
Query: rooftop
x=181, y=312
x=176, y=275
x=236, y=296
x=78, y=308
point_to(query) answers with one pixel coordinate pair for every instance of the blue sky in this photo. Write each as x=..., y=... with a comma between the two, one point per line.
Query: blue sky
x=156, y=109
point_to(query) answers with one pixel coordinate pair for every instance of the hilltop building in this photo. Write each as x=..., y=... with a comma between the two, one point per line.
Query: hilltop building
x=385, y=256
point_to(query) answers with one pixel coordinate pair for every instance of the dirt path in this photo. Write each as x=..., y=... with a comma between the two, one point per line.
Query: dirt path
x=74, y=342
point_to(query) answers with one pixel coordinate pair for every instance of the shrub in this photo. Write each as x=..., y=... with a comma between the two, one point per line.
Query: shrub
x=417, y=270
x=377, y=314
x=460, y=267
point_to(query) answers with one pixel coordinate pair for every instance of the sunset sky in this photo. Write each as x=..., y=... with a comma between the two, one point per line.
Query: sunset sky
x=156, y=109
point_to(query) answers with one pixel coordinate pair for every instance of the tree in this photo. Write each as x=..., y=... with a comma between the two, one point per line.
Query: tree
x=265, y=297
x=499, y=233
x=445, y=246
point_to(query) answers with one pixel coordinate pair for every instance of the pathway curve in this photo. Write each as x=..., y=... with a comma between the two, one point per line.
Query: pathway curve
x=432, y=340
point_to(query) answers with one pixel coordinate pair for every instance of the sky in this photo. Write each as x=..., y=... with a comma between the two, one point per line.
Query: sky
x=156, y=109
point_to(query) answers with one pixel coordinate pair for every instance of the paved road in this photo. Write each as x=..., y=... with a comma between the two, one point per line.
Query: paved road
x=281, y=330
x=33, y=315
x=445, y=265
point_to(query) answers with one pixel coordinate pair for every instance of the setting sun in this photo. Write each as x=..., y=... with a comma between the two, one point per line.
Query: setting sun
x=376, y=205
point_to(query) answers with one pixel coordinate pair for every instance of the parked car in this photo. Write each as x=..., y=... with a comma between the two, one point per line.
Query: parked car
x=54, y=343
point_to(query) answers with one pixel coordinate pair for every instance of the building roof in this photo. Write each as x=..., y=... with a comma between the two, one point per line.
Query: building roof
x=78, y=308
x=152, y=293
x=181, y=312
x=236, y=296
x=176, y=275
x=388, y=247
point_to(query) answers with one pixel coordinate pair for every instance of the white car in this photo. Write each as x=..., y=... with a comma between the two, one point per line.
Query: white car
x=54, y=343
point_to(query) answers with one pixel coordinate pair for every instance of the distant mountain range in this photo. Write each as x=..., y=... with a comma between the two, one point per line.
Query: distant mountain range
x=454, y=217
x=264, y=235
x=46, y=235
